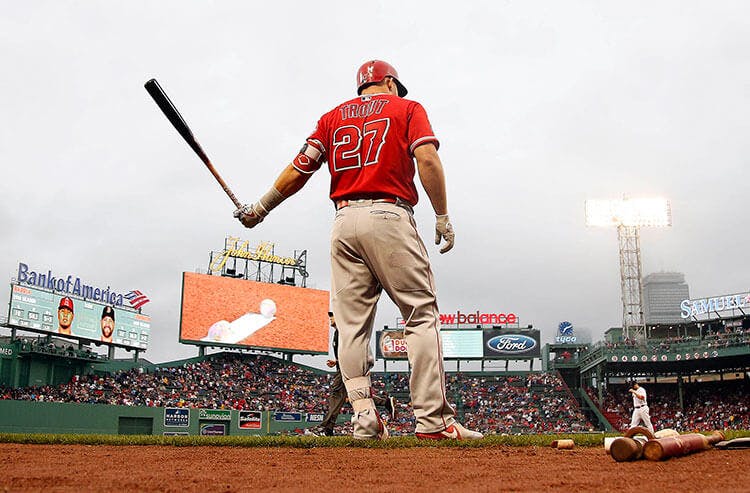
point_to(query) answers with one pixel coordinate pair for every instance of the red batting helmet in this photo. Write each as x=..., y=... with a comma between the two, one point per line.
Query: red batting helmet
x=66, y=303
x=375, y=71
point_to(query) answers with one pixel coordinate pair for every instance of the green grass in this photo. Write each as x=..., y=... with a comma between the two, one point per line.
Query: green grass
x=581, y=440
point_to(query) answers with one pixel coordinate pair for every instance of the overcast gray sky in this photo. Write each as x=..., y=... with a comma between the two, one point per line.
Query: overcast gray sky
x=538, y=106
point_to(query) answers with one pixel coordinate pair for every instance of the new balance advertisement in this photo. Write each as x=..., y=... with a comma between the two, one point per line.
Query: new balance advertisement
x=59, y=313
x=224, y=311
x=511, y=344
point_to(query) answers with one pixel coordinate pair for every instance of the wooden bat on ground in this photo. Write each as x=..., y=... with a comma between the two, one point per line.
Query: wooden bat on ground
x=170, y=111
x=630, y=446
x=664, y=448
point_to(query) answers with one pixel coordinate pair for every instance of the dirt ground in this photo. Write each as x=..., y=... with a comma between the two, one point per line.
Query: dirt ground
x=428, y=469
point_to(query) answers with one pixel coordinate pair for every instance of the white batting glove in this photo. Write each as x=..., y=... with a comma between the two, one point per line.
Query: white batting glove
x=250, y=215
x=444, y=230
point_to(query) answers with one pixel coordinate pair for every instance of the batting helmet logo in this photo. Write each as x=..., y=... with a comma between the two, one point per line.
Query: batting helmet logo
x=375, y=71
x=66, y=303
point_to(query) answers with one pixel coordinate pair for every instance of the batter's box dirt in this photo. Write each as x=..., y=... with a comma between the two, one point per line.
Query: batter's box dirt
x=421, y=469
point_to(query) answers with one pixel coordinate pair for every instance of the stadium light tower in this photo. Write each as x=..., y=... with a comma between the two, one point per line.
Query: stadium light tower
x=628, y=216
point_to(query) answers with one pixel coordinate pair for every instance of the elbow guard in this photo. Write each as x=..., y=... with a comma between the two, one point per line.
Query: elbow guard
x=308, y=160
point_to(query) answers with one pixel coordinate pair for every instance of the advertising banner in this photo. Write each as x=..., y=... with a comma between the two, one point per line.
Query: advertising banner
x=176, y=416
x=223, y=311
x=457, y=344
x=511, y=344
x=44, y=311
x=282, y=416
x=706, y=306
x=474, y=319
x=565, y=333
x=215, y=414
x=315, y=417
x=76, y=287
x=250, y=420
x=213, y=429
x=391, y=344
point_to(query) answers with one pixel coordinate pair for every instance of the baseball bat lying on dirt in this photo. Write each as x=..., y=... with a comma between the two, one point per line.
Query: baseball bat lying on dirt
x=664, y=448
x=564, y=444
x=736, y=443
x=630, y=446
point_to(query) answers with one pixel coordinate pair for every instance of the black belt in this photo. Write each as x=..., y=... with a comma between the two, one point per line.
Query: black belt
x=640, y=406
x=340, y=204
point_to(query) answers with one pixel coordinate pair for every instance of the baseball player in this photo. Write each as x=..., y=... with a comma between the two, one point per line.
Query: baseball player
x=640, y=407
x=107, y=323
x=65, y=314
x=337, y=397
x=371, y=143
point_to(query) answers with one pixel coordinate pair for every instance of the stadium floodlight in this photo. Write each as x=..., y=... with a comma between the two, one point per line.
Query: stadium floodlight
x=649, y=212
x=628, y=215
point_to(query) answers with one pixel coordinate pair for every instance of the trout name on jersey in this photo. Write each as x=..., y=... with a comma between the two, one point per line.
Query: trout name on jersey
x=365, y=108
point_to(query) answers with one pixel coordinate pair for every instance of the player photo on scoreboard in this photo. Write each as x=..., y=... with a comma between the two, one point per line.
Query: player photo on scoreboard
x=40, y=310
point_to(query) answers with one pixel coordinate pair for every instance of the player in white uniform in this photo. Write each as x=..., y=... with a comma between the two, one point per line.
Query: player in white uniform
x=640, y=407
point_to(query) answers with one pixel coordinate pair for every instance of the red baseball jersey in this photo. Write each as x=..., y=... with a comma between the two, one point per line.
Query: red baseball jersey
x=369, y=144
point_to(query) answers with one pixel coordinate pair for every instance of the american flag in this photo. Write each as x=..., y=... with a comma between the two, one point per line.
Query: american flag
x=137, y=299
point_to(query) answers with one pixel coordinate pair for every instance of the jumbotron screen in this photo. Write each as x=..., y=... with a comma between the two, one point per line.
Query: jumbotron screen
x=457, y=344
x=43, y=311
x=224, y=311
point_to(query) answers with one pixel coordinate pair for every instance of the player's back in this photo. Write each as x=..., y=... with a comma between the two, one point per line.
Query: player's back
x=368, y=142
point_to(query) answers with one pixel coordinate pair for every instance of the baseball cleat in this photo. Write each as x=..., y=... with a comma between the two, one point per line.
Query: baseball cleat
x=390, y=406
x=452, y=432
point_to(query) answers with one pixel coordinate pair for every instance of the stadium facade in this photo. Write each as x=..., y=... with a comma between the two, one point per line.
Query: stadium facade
x=55, y=383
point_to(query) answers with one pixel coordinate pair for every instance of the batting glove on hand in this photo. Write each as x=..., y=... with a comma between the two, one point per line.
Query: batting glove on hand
x=444, y=230
x=250, y=215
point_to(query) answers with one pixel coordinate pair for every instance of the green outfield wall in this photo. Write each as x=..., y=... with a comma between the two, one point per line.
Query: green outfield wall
x=64, y=418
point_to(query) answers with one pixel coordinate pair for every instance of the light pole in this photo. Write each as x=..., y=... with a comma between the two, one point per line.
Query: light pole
x=628, y=216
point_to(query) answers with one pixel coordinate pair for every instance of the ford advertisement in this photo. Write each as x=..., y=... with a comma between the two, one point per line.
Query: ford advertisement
x=511, y=344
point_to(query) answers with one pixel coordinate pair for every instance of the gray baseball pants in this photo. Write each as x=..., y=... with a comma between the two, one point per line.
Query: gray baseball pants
x=641, y=414
x=376, y=246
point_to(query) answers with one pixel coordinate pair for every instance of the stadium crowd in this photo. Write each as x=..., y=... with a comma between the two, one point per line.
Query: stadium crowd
x=510, y=404
x=713, y=338
x=532, y=403
x=228, y=382
x=705, y=406
x=40, y=345
x=529, y=403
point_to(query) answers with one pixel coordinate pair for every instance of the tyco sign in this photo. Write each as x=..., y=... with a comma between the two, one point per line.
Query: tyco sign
x=565, y=333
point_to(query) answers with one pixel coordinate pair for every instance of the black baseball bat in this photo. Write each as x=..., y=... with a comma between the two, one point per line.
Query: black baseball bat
x=170, y=111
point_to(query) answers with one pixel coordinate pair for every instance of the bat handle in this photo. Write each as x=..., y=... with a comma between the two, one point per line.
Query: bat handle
x=232, y=197
x=199, y=150
x=226, y=188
